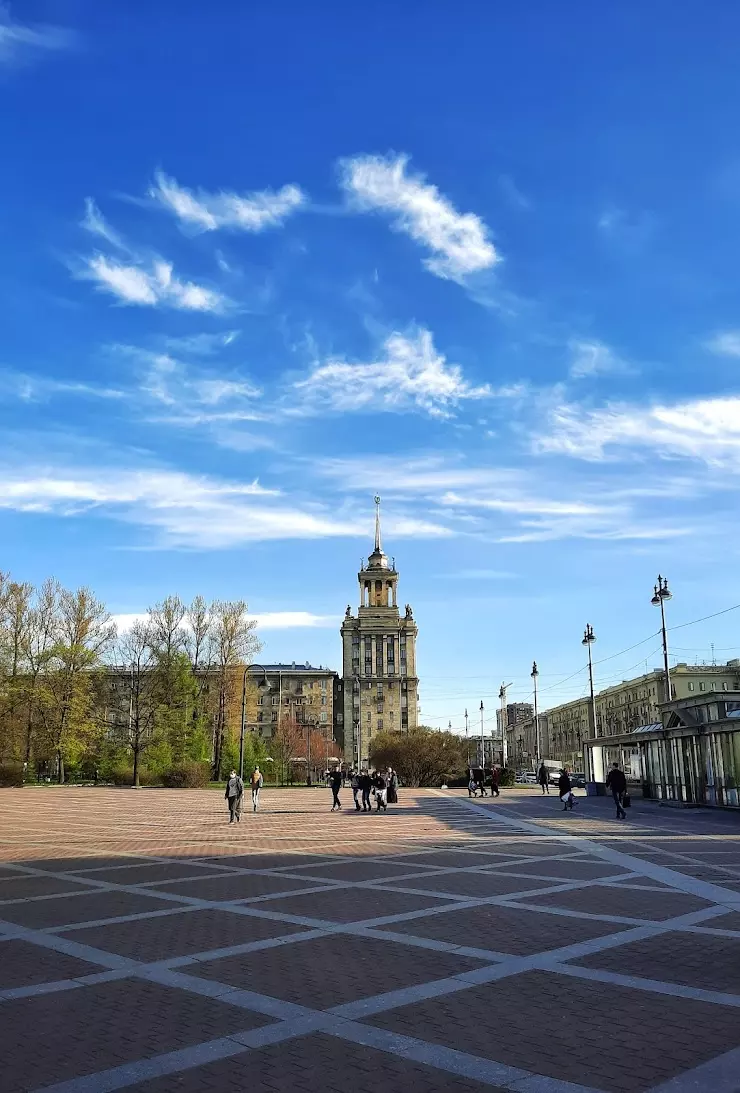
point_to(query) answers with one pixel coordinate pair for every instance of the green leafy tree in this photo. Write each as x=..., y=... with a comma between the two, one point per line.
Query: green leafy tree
x=421, y=757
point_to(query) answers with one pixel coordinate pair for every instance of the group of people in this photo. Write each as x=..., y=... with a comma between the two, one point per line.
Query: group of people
x=366, y=784
x=235, y=793
x=477, y=782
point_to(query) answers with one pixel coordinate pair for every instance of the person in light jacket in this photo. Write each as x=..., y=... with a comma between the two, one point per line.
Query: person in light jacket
x=256, y=782
x=234, y=795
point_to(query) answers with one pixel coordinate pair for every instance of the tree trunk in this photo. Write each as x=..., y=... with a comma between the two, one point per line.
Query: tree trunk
x=60, y=761
x=136, y=766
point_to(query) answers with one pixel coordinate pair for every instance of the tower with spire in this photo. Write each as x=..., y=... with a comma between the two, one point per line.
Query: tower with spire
x=378, y=657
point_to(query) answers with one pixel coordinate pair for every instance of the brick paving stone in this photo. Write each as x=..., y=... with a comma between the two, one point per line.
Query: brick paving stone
x=24, y=965
x=570, y=870
x=352, y=904
x=504, y=929
x=451, y=859
x=150, y=939
x=81, y=865
x=153, y=872
x=314, y=1064
x=730, y=921
x=50, y=1038
x=623, y=901
x=695, y=960
x=359, y=870
x=235, y=886
x=472, y=884
x=575, y=1030
x=267, y=861
x=328, y=971
x=20, y=887
x=46, y=913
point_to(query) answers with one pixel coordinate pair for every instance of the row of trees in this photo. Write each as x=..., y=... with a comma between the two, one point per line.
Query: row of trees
x=422, y=756
x=75, y=694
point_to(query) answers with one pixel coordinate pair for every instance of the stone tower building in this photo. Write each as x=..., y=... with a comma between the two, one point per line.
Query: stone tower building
x=378, y=658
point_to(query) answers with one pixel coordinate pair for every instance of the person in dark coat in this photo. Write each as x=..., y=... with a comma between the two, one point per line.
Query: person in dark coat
x=234, y=795
x=480, y=781
x=336, y=784
x=366, y=785
x=565, y=790
x=392, y=787
x=495, y=781
x=543, y=777
x=381, y=787
x=617, y=783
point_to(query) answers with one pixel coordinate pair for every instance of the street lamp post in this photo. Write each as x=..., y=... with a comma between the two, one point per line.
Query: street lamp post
x=502, y=696
x=244, y=711
x=482, y=741
x=534, y=673
x=356, y=680
x=588, y=639
x=660, y=595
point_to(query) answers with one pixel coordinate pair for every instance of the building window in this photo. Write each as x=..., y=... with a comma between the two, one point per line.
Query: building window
x=380, y=690
x=691, y=686
x=274, y=715
x=368, y=717
x=380, y=724
x=260, y=701
x=725, y=686
x=323, y=717
x=323, y=700
x=259, y=716
x=379, y=656
x=702, y=686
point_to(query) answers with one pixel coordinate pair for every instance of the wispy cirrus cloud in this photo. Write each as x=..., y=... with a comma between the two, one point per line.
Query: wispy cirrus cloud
x=704, y=429
x=409, y=374
x=20, y=42
x=725, y=343
x=202, y=211
x=268, y=620
x=594, y=358
x=37, y=388
x=459, y=242
x=150, y=284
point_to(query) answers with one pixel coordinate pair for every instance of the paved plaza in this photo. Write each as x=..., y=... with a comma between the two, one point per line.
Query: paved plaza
x=451, y=944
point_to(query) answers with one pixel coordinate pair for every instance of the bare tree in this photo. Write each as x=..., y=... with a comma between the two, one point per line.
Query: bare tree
x=41, y=639
x=234, y=644
x=135, y=653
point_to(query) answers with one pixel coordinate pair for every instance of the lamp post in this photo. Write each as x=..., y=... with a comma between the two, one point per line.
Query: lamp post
x=502, y=696
x=660, y=595
x=534, y=673
x=482, y=741
x=263, y=684
x=588, y=639
x=356, y=679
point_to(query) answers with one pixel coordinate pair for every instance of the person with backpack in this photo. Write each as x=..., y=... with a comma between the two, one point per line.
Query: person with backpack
x=256, y=782
x=617, y=783
x=234, y=796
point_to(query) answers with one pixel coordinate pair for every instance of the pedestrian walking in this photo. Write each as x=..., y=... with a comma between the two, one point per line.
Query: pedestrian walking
x=617, y=783
x=234, y=794
x=472, y=787
x=565, y=790
x=392, y=787
x=256, y=782
x=380, y=786
x=355, y=784
x=543, y=777
x=336, y=784
x=366, y=785
x=480, y=778
x=495, y=782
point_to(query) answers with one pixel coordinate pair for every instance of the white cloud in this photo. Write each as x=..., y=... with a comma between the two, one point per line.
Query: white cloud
x=251, y=212
x=152, y=286
x=410, y=374
x=202, y=345
x=94, y=222
x=524, y=505
x=19, y=42
x=705, y=429
x=459, y=241
x=593, y=358
x=35, y=388
x=726, y=343
x=269, y=620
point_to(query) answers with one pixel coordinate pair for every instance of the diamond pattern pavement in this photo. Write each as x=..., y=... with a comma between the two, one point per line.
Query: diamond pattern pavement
x=449, y=944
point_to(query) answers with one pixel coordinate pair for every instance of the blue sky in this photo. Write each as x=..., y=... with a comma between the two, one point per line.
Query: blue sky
x=261, y=261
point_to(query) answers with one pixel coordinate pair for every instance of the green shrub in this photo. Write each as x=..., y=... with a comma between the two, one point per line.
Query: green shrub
x=124, y=776
x=11, y=774
x=187, y=776
x=507, y=777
